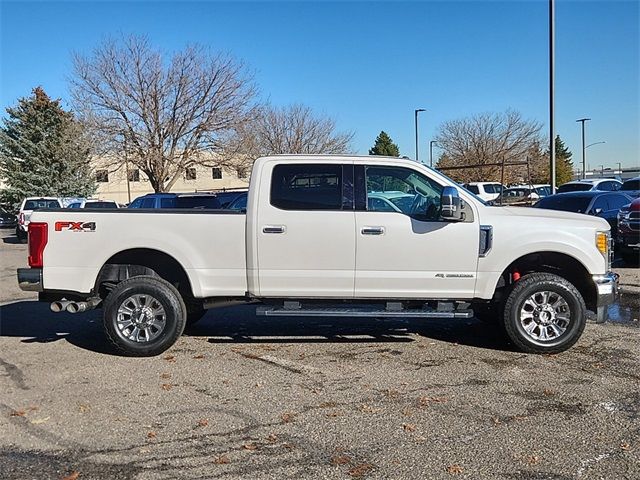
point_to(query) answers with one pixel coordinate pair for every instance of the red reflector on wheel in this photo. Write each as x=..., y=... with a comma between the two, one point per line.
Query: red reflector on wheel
x=37, y=241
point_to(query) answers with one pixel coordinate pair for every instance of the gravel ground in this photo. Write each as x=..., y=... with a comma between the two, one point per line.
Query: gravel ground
x=240, y=396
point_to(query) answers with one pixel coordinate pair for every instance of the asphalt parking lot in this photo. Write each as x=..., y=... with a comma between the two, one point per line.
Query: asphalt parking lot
x=241, y=396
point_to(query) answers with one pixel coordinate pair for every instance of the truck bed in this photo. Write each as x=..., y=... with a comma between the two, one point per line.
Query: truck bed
x=209, y=244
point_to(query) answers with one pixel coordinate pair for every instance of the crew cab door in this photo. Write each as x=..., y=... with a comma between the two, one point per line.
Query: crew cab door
x=403, y=247
x=305, y=230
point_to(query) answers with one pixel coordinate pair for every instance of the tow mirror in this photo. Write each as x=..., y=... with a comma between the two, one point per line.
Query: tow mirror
x=450, y=204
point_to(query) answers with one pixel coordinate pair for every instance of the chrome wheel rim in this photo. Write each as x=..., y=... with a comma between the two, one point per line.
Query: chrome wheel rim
x=141, y=318
x=545, y=316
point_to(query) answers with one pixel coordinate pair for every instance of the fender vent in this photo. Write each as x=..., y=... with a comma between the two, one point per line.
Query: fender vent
x=486, y=240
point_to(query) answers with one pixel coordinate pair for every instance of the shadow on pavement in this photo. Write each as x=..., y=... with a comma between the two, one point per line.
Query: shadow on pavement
x=35, y=323
x=12, y=240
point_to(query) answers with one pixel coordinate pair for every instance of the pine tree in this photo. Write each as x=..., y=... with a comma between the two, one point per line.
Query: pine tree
x=384, y=146
x=43, y=151
x=564, y=165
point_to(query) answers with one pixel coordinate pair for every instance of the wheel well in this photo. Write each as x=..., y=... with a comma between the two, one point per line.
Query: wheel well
x=551, y=262
x=142, y=261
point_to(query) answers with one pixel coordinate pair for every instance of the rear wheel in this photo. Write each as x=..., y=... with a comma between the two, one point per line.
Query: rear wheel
x=144, y=316
x=21, y=234
x=544, y=313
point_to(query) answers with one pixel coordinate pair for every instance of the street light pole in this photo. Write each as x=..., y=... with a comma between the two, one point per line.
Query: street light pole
x=584, y=148
x=552, y=94
x=416, y=125
x=431, y=152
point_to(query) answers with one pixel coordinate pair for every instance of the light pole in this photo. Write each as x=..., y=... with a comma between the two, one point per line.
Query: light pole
x=619, y=169
x=601, y=170
x=595, y=143
x=584, y=148
x=431, y=143
x=552, y=94
x=416, y=125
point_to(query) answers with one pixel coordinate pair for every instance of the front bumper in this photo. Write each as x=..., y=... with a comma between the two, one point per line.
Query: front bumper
x=30, y=279
x=607, y=293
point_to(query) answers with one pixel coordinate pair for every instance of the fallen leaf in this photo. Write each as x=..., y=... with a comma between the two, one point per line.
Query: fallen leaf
x=272, y=438
x=426, y=401
x=409, y=427
x=328, y=405
x=165, y=375
x=454, y=469
x=221, y=460
x=84, y=407
x=39, y=421
x=199, y=357
x=533, y=459
x=333, y=414
x=166, y=386
x=340, y=459
x=496, y=421
x=389, y=392
x=548, y=392
x=369, y=409
x=17, y=413
x=250, y=446
x=170, y=358
x=625, y=446
x=203, y=422
x=72, y=476
x=360, y=470
x=288, y=417
x=288, y=446
x=152, y=435
x=407, y=411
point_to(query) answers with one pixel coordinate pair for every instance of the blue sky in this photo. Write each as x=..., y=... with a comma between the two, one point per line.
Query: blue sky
x=369, y=65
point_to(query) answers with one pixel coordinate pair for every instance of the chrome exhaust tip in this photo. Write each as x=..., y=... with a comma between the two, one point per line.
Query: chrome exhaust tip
x=59, y=306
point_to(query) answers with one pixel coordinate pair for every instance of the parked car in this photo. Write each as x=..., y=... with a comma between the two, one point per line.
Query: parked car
x=392, y=201
x=94, y=203
x=632, y=187
x=7, y=220
x=628, y=239
x=487, y=191
x=227, y=197
x=600, y=204
x=525, y=195
x=308, y=246
x=177, y=200
x=586, y=185
x=240, y=202
x=27, y=207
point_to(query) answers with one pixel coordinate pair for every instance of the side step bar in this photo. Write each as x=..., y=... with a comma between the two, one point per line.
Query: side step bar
x=360, y=312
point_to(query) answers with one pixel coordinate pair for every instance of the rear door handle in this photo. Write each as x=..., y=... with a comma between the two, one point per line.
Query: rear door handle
x=273, y=229
x=372, y=231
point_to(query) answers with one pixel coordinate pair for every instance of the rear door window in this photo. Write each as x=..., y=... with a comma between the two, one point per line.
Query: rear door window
x=307, y=187
x=149, y=202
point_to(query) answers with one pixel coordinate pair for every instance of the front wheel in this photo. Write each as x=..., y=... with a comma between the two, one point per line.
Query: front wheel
x=544, y=313
x=144, y=316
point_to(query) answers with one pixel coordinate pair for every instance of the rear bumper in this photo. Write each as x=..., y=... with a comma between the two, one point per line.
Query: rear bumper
x=30, y=279
x=607, y=293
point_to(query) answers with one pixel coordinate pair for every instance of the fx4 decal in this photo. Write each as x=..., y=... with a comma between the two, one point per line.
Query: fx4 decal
x=76, y=226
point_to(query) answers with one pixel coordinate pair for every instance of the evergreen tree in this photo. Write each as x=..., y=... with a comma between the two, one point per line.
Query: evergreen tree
x=564, y=165
x=384, y=146
x=43, y=151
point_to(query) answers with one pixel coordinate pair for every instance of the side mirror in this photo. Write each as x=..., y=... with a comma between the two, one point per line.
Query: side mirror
x=597, y=211
x=450, y=204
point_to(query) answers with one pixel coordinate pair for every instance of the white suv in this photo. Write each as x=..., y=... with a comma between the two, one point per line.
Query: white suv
x=27, y=207
x=585, y=185
x=487, y=191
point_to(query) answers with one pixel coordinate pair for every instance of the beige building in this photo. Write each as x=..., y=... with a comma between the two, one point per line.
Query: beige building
x=113, y=185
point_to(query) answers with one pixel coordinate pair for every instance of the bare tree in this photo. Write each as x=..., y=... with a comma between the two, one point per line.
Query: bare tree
x=292, y=129
x=486, y=139
x=162, y=116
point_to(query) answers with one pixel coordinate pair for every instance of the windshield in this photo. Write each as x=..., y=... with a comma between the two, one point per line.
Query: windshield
x=403, y=203
x=565, y=203
x=439, y=173
x=100, y=205
x=41, y=203
x=493, y=188
x=574, y=187
x=631, y=185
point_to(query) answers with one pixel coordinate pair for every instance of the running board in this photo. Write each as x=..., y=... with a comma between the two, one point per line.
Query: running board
x=270, y=311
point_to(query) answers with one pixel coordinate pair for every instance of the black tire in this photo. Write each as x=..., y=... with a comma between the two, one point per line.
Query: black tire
x=558, y=287
x=173, y=308
x=22, y=236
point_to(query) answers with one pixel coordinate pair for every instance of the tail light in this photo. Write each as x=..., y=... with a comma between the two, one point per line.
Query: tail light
x=38, y=236
x=21, y=219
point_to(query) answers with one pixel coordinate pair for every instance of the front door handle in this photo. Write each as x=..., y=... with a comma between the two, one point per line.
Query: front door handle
x=273, y=229
x=372, y=231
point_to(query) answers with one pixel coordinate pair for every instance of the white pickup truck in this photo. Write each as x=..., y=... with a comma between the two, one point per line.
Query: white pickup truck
x=328, y=236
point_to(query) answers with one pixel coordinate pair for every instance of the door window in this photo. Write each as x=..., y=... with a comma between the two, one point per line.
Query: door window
x=403, y=190
x=149, y=202
x=600, y=203
x=307, y=187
